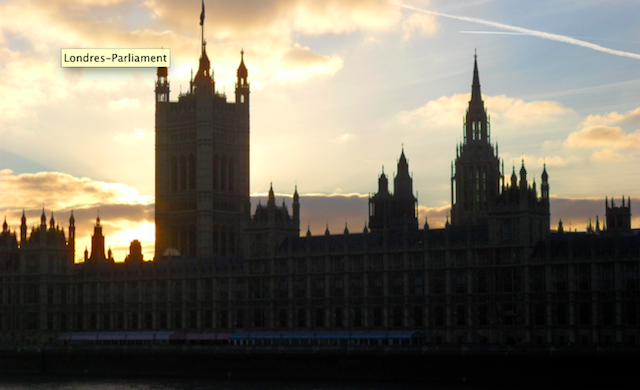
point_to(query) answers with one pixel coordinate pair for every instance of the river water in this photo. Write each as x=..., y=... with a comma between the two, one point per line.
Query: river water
x=94, y=383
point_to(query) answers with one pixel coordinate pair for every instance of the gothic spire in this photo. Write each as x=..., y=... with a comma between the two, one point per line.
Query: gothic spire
x=476, y=96
x=477, y=127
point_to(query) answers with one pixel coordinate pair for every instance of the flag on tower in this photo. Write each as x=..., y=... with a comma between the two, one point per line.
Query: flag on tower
x=202, y=14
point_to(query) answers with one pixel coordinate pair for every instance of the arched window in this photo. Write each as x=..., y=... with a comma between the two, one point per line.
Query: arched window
x=223, y=173
x=183, y=173
x=193, y=242
x=216, y=172
x=216, y=240
x=232, y=241
x=223, y=241
x=232, y=174
x=174, y=173
x=184, y=242
x=175, y=238
x=192, y=172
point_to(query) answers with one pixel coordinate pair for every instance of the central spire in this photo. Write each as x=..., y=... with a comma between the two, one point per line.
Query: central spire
x=476, y=126
x=476, y=96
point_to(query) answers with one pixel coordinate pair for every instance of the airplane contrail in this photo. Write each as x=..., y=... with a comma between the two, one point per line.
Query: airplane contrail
x=540, y=34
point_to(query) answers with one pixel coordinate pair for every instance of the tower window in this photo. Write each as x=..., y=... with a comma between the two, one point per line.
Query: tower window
x=232, y=174
x=192, y=172
x=216, y=172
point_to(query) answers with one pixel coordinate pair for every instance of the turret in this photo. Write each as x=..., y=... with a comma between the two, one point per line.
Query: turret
x=204, y=82
x=23, y=230
x=402, y=183
x=523, y=177
x=383, y=183
x=72, y=236
x=162, y=86
x=296, y=210
x=242, y=85
x=544, y=187
x=97, y=243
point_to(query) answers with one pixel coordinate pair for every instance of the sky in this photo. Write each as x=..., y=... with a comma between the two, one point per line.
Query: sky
x=338, y=89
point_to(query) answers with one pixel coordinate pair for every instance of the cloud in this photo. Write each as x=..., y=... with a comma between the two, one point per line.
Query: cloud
x=344, y=138
x=613, y=118
x=133, y=138
x=301, y=63
x=608, y=155
x=421, y=24
x=125, y=214
x=596, y=137
x=448, y=111
x=576, y=212
x=62, y=191
x=124, y=103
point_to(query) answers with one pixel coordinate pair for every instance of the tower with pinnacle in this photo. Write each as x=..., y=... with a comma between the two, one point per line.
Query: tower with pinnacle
x=513, y=212
x=394, y=211
x=202, y=164
x=475, y=179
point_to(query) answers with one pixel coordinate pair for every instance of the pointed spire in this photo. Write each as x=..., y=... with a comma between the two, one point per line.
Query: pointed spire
x=308, y=230
x=403, y=165
x=597, y=225
x=272, y=198
x=346, y=229
x=476, y=96
x=326, y=231
x=23, y=220
x=52, y=222
x=72, y=220
x=365, y=230
x=43, y=218
x=242, y=70
x=4, y=225
x=560, y=226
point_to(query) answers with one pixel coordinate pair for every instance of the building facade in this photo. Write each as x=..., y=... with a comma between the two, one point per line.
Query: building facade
x=495, y=275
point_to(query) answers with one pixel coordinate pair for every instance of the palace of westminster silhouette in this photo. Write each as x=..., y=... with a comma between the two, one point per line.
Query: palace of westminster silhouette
x=494, y=274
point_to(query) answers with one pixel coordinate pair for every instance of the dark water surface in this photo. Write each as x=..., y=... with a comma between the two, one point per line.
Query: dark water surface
x=95, y=383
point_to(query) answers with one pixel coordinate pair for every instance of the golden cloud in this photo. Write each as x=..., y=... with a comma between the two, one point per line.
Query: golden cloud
x=125, y=214
x=448, y=111
x=612, y=118
x=60, y=191
x=598, y=137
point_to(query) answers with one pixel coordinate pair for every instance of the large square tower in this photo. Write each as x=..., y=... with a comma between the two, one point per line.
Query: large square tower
x=202, y=166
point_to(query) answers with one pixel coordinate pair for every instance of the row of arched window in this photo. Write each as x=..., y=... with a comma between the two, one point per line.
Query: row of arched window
x=183, y=173
x=224, y=240
x=184, y=239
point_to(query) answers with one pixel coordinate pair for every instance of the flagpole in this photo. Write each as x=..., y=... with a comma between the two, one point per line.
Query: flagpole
x=202, y=15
